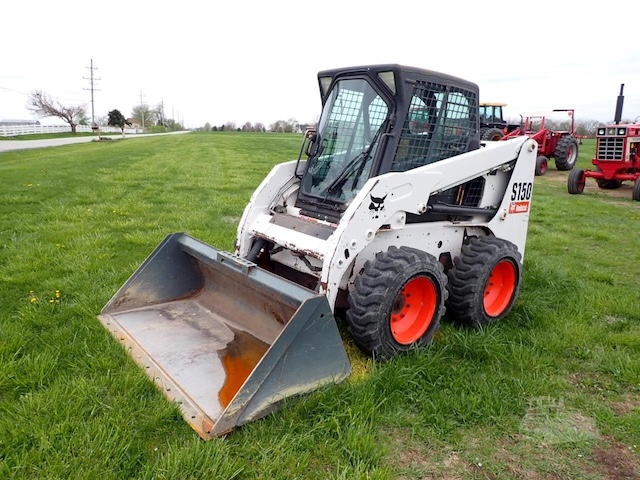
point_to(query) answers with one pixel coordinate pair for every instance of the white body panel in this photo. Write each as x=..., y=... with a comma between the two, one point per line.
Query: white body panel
x=367, y=227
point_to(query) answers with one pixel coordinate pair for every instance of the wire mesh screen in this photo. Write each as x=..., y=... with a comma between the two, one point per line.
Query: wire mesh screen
x=340, y=129
x=348, y=138
x=440, y=123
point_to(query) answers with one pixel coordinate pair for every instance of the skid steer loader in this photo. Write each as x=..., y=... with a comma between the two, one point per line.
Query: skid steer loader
x=393, y=212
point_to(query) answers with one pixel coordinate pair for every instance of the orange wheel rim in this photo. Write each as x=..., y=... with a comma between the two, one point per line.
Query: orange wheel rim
x=413, y=309
x=500, y=288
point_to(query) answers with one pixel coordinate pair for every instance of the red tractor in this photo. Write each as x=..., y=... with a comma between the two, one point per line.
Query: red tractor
x=560, y=144
x=617, y=157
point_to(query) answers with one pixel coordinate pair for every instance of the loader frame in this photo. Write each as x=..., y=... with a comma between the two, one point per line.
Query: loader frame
x=345, y=246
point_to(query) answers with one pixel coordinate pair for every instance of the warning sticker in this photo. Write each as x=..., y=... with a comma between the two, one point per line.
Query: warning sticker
x=518, y=207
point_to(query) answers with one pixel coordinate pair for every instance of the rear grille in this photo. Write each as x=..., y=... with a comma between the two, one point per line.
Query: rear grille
x=610, y=148
x=474, y=192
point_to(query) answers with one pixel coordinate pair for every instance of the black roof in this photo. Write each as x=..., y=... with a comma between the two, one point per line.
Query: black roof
x=405, y=72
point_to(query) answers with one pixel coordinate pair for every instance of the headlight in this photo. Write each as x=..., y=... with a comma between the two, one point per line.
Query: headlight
x=602, y=131
x=622, y=131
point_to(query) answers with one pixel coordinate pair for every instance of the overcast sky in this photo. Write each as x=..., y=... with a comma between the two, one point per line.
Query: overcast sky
x=257, y=61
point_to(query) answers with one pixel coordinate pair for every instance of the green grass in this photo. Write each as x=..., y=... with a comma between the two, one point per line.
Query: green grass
x=553, y=391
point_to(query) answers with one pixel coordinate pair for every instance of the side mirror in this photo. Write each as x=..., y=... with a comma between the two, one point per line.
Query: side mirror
x=312, y=145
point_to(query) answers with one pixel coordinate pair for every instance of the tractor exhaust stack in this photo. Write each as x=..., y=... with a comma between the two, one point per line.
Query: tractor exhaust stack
x=619, y=104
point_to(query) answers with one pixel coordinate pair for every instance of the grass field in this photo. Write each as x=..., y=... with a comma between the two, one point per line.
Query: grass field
x=552, y=392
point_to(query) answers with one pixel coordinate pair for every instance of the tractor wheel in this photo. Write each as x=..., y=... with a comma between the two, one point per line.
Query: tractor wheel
x=636, y=190
x=492, y=134
x=566, y=153
x=484, y=281
x=576, y=181
x=396, y=302
x=542, y=163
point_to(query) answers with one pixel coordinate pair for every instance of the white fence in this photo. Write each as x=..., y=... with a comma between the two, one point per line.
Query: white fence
x=13, y=130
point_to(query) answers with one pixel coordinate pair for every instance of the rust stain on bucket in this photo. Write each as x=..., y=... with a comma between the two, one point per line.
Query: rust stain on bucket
x=239, y=359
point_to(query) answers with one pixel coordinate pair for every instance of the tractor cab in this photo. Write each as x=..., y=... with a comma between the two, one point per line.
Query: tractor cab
x=493, y=126
x=491, y=115
x=379, y=119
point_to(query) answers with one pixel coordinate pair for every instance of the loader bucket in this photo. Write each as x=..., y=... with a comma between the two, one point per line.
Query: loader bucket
x=225, y=339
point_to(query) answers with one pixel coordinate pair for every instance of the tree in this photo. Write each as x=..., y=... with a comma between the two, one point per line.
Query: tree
x=285, y=126
x=145, y=114
x=587, y=127
x=159, y=112
x=82, y=119
x=277, y=126
x=43, y=105
x=172, y=125
x=207, y=127
x=116, y=119
x=292, y=125
x=247, y=127
x=102, y=120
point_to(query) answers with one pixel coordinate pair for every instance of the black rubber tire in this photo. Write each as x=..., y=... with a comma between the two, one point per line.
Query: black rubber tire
x=566, y=153
x=377, y=291
x=635, y=195
x=576, y=181
x=491, y=134
x=481, y=131
x=542, y=164
x=477, y=297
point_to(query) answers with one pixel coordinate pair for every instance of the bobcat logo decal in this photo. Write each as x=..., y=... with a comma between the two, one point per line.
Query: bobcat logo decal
x=377, y=203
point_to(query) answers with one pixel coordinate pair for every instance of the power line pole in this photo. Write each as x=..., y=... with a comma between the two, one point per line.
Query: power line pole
x=142, y=110
x=92, y=80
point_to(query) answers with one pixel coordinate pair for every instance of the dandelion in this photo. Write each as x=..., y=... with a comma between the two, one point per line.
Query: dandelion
x=56, y=297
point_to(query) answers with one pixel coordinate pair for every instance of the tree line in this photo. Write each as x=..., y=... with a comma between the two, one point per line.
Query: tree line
x=281, y=126
x=43, y=105
x=583, y=128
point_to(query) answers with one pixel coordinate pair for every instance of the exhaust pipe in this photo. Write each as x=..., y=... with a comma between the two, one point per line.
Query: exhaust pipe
x=619, y=103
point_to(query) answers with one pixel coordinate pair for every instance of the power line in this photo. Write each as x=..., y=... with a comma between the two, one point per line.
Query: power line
x=12, y=90
x=92, y=79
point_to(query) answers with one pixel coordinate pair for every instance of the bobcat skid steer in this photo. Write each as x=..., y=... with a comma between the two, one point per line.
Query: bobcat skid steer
x=393, y=212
